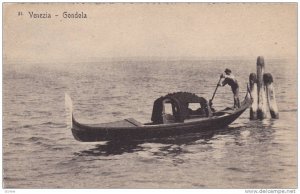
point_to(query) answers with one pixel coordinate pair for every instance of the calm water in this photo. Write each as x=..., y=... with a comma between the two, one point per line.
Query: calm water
x=39, y=150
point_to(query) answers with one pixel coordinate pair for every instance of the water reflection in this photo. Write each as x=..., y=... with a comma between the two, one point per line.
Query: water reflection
x=262, y=131
x=111, y=148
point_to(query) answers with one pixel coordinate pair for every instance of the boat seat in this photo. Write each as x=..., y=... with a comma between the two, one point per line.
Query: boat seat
x=133, y=121
x=130, y=122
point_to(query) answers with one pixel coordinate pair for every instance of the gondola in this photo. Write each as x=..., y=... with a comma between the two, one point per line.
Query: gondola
x=173, y=114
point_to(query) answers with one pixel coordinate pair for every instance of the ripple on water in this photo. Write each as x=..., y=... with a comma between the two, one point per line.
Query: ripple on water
x=236, y=169
x=54, y=125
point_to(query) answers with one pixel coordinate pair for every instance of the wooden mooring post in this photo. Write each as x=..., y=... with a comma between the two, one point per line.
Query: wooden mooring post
x=270, y=91
x=253, y=91
x=262, y=101
x=262, y=92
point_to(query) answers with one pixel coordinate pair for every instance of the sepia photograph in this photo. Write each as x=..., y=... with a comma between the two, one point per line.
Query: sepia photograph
x=150, y=96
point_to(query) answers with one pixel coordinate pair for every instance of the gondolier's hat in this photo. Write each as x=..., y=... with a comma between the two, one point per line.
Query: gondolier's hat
x=227, y=70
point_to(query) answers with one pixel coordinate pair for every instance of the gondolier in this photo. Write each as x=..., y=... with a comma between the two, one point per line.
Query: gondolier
x=231, y=81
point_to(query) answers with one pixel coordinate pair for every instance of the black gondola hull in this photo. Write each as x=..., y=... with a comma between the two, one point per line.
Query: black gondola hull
x=89, y=133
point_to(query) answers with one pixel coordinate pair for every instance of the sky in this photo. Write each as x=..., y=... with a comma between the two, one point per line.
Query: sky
x=160, y=30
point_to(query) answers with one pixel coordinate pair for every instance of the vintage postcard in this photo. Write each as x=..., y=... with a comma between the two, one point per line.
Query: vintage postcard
x=150, y=95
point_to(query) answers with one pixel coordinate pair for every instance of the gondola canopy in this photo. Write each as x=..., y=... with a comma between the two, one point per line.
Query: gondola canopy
x=180, y=102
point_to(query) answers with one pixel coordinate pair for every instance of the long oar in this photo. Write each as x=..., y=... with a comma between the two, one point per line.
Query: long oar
x=215, y=90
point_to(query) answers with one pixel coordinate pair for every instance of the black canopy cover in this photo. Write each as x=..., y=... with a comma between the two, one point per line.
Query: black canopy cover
x=180, y=102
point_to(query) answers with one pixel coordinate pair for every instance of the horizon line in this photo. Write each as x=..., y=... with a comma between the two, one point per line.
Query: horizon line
x=146, y=58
